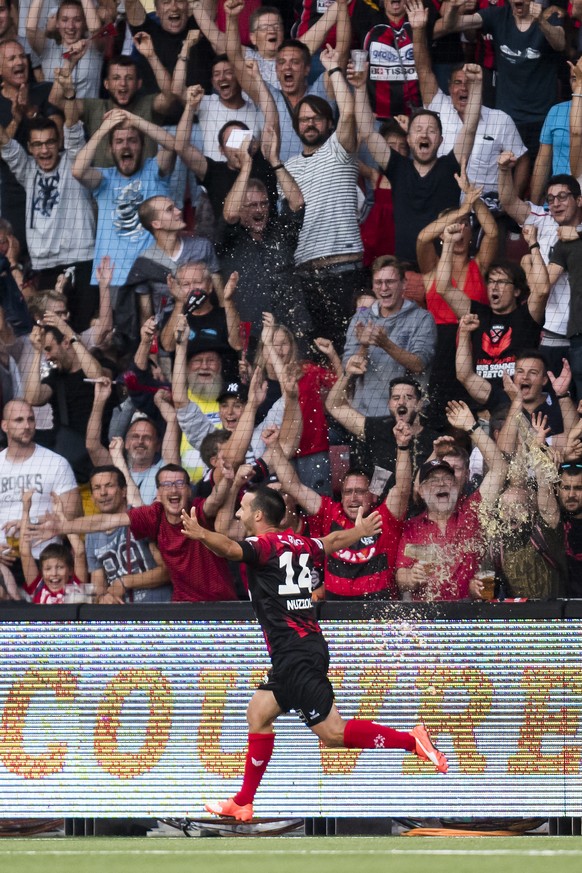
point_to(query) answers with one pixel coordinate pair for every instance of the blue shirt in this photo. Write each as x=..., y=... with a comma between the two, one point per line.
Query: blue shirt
x=556, y=132
x=119, y=231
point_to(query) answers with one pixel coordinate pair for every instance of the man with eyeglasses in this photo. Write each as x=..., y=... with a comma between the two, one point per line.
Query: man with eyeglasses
x=491, y=336
x=55, y=199
x=16, y=91
x=260, y=244
x=366, y=570
x=570, y=500
x=563, y=196
x=196, y=574
x=293, y=64
x=266, y=32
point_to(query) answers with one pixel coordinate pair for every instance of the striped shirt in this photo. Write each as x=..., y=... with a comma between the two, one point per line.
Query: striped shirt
x=328, y=180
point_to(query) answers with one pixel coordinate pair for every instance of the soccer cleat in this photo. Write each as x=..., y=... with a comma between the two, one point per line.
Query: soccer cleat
x=231, y=809
x=426, y=751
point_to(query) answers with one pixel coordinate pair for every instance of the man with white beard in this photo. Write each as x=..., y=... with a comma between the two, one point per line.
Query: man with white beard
x=199, y=390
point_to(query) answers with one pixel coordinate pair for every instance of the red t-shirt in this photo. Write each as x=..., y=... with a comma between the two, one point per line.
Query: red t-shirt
x=474, y=288
x=311, y=14
x=196, y=573
x=367, y=566
x=243, y=21
x=315, y=380
x=458, y=550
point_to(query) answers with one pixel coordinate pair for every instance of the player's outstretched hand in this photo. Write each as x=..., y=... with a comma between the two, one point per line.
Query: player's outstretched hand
x=190, y=526
x=371, y=525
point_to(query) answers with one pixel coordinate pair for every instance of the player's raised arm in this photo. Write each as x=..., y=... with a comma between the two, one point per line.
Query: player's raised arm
x=343, y=539
x=221, y=545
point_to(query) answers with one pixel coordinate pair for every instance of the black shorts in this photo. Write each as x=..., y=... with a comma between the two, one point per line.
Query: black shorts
x=298, y=679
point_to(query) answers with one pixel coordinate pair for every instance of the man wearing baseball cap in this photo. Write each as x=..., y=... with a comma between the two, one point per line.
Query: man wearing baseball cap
x=440, y=549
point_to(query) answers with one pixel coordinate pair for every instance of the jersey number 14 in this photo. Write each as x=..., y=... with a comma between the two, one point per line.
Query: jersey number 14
x=296, y=578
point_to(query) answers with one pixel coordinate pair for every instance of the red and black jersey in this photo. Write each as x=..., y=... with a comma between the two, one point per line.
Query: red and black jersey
x=498, y=341
x=280, y=571
x=392, y=77
x=367, y=566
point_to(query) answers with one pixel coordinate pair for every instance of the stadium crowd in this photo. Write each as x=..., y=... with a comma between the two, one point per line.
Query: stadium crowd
x=332, y=246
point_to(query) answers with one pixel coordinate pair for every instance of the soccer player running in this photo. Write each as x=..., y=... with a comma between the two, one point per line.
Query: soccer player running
x=280, y=567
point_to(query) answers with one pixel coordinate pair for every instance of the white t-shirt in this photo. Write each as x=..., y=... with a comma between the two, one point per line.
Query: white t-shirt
x=213, y=115
x=496, y=133
x=44, y=472
x=558, y=305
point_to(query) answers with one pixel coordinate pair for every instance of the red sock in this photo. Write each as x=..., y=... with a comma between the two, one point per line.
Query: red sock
x=259, y=751
x=362, y=734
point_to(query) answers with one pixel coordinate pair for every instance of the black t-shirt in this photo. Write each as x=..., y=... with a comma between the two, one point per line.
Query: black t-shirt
x=168, y=46
x=419, y=199
x=551, y=409
x=497, y=342
x=380, y=445
x=573, y=542
x=219, y=179
x=265, y=267
x=209, y=333
x=527, y=65
x=77, y=396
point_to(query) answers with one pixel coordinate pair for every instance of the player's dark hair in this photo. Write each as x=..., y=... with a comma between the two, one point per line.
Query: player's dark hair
x=270, y=503
x=109, y=468
x=58, y=551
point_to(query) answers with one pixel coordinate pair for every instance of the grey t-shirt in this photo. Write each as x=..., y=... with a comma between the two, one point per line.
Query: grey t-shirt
x=118, y=553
